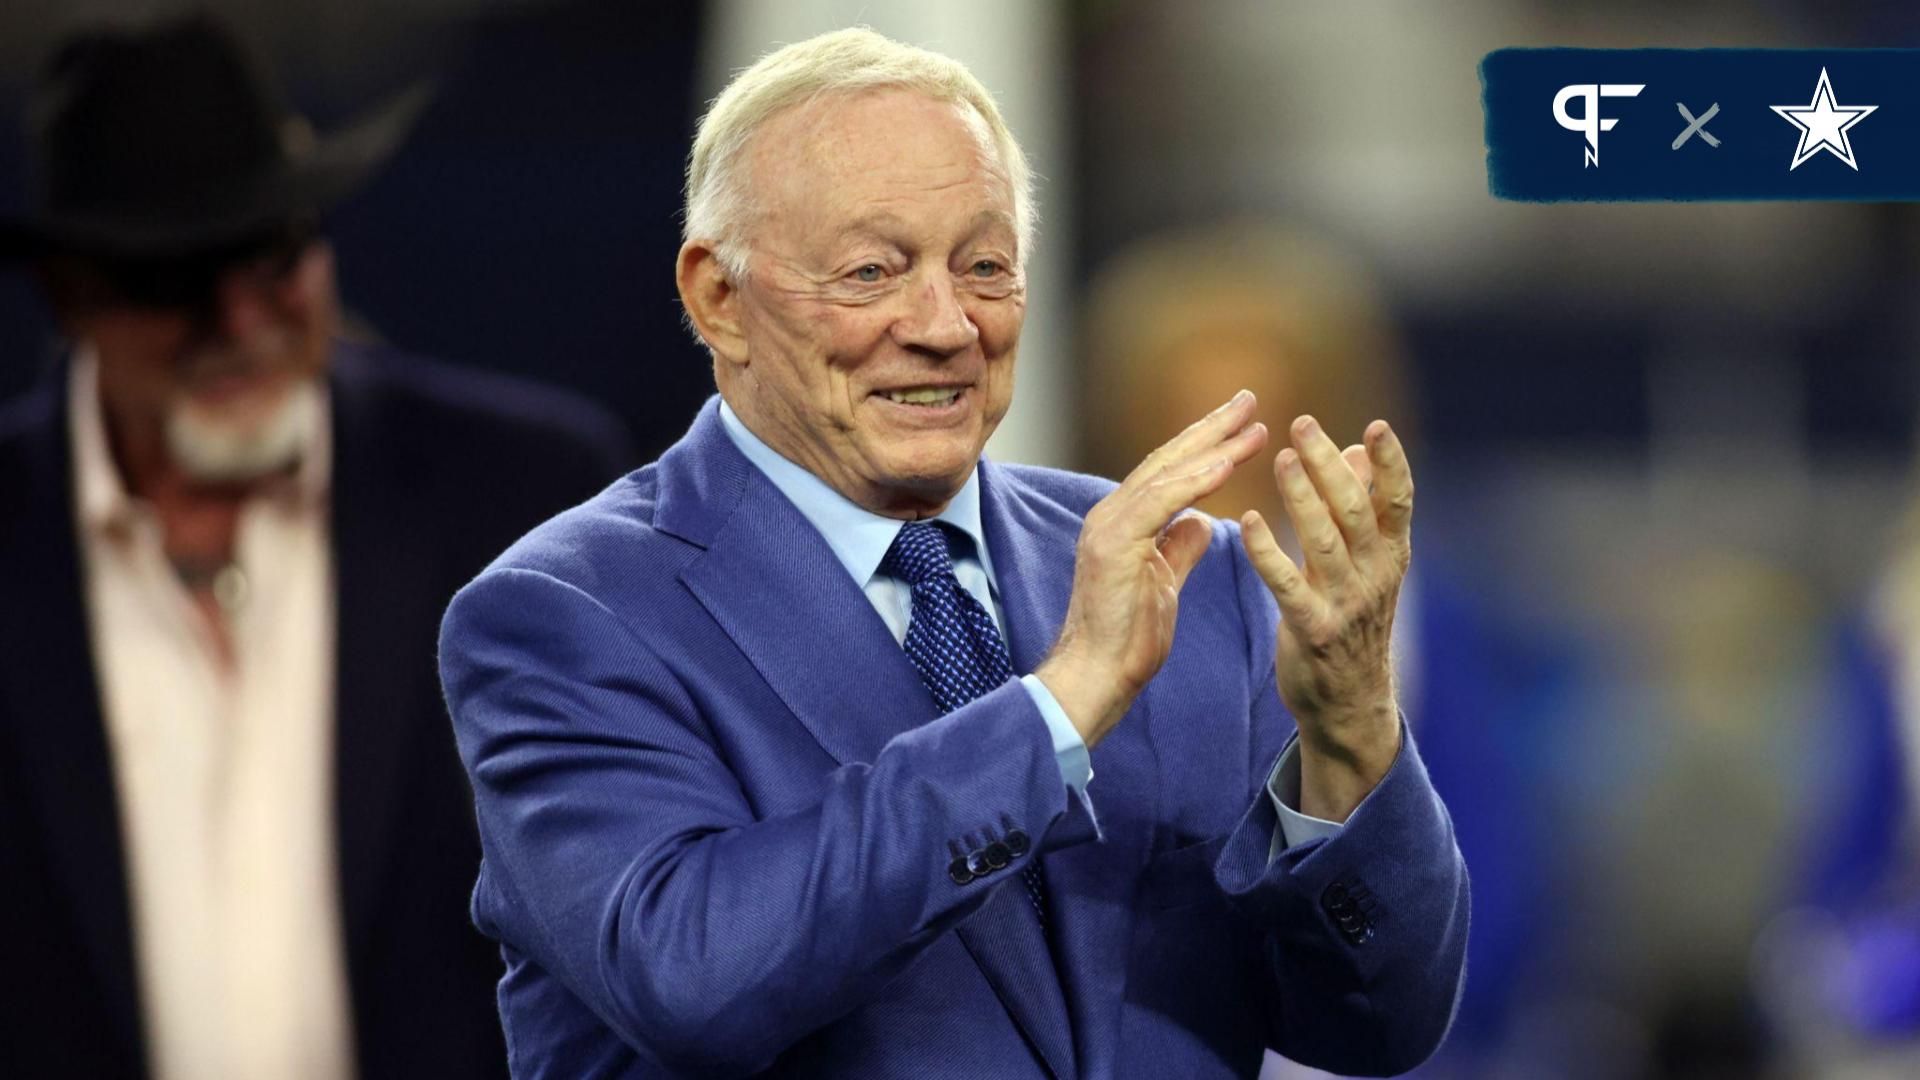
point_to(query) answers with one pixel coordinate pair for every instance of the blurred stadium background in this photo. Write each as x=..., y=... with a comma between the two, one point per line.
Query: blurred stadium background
x=1666, y=617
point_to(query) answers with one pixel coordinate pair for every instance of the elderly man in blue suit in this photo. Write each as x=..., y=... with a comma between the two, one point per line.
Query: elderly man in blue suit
x=824, y=746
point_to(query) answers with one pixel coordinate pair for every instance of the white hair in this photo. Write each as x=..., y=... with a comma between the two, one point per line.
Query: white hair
x=841, y=62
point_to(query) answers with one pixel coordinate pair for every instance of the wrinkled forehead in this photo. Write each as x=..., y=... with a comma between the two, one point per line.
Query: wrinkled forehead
x=842, y=156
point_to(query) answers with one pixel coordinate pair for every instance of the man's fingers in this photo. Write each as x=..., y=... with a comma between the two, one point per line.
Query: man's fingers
x=1322, y=547
x=1392, y=482
x=1224, y=422
x=1182, y=545
x=1290, y=589
x=1346, y=497
x=1356, y=458
x=1151, y=504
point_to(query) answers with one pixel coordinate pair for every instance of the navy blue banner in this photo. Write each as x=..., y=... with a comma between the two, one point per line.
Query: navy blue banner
x=1685, y=124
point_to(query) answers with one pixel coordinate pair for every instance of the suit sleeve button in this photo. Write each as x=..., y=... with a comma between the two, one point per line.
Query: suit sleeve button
x=957, y=870
x=1017, y=843
x=977, y=863
x=998, y=855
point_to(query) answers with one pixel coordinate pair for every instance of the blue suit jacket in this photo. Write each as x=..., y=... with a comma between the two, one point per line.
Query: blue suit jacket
x=718, y=813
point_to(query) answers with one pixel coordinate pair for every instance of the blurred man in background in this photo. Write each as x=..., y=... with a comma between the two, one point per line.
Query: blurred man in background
x=1841, y=978
x=1173, y=318
x=236, y=839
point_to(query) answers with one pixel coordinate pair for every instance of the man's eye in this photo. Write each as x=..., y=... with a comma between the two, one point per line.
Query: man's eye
x=869, y=273
x=985, y=268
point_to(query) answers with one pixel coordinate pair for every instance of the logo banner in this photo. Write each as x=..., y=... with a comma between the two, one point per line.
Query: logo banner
x=1692, y=124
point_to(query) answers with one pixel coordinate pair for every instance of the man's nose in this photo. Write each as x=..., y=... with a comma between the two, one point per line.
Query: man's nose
x=935, y=321
x=242, y=306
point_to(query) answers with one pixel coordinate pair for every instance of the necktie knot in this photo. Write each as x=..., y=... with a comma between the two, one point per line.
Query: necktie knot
x=951, y=637
x=920, y=554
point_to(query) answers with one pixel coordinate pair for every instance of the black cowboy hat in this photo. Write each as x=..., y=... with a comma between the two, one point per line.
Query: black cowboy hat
x=170, y=140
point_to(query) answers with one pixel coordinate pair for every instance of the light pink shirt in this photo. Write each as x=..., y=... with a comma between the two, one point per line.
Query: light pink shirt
x=224, y=776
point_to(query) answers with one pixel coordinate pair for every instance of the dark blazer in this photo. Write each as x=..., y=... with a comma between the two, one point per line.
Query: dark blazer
x=435, y=471
x=725, y=830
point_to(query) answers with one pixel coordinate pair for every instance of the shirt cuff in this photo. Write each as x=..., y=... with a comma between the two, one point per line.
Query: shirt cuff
x=1069, y=749
x=1293, y=828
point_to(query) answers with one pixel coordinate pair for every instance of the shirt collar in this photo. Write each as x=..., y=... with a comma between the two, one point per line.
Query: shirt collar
x=100, y=497
x=100, y=494
x=858, y=536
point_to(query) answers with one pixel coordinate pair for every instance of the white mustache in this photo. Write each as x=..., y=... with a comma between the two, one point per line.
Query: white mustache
x=261, y=355
x=225, y=449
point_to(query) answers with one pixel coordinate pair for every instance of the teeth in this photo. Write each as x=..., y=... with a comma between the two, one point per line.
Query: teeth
x=927, y=396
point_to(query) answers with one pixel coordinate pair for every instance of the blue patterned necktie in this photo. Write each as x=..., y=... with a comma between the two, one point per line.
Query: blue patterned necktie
x=951, y=639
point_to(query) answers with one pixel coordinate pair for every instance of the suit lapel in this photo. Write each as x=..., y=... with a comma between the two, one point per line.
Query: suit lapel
x=381, y=619
x=52, y=699
x=1089, y=886
x=777, y=589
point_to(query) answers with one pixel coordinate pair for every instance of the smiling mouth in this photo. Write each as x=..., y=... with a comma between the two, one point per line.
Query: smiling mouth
x=926, y=396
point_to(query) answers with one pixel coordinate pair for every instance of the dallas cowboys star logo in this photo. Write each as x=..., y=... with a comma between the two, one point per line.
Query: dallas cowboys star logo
x=1823, y=125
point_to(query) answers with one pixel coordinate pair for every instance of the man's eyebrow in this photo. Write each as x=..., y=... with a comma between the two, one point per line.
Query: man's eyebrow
x=880, y=223
x=987, y=218
x=887, y=226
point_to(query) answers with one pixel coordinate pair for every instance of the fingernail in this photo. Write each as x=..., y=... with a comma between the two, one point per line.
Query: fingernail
x=1311, y=427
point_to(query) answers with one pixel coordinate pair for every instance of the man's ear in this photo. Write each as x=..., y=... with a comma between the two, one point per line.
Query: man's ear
x=712, y=301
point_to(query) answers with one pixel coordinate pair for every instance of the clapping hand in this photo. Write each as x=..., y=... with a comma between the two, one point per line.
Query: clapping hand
x=1135, y=551
x=1352, y=512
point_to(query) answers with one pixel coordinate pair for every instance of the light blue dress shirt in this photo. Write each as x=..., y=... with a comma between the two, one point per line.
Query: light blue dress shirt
x=860, y=539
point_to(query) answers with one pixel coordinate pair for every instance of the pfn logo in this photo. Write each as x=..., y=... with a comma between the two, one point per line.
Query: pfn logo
x=1589, y=122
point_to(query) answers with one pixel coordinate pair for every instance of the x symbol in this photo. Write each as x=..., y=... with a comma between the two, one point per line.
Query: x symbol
x=1697, y=125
